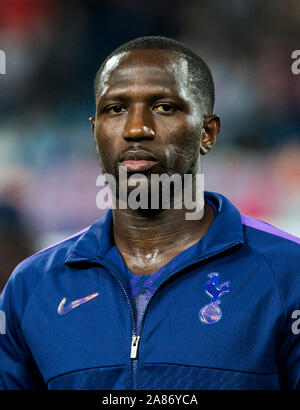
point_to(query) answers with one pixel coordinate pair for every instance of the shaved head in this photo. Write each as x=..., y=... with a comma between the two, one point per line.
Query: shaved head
x=200, y=78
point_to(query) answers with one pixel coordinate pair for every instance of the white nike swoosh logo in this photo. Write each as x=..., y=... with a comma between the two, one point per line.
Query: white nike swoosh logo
x=63, y=309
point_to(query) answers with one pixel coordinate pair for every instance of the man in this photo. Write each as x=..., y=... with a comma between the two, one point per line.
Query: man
x=147, y=298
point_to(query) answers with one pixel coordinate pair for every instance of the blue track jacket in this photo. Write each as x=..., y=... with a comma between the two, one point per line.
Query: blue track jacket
x=222, y=319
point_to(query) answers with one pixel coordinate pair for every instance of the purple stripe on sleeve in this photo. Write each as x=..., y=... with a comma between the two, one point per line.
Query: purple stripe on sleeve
x=265, y=227
x=57, y=243
x=66, y=239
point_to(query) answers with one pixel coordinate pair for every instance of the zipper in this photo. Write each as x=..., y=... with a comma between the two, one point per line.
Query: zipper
x=134, y=346
x=135, y=336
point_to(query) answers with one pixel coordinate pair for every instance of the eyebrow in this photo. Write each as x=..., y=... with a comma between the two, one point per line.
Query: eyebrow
x=124, y=95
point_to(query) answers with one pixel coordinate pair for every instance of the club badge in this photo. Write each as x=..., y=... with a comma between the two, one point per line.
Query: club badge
x=211, y=313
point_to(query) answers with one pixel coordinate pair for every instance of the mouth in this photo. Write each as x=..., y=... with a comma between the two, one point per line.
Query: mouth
x=138, y=160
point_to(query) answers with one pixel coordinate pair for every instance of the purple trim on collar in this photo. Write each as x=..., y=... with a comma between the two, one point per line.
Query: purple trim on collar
x=265, y=227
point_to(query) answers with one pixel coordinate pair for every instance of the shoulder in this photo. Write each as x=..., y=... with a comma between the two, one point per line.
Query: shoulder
x=27, y=274
x=51, y=256
x=268, y=239
x=280, y=250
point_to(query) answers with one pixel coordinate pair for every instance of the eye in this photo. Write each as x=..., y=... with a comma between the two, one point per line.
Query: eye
x=164, y=108
x=115, y=109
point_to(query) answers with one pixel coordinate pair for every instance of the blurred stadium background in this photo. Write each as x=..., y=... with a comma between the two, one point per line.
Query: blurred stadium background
x=48, y=164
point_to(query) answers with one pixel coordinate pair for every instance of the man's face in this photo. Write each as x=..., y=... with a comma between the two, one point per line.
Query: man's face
x=146, y=104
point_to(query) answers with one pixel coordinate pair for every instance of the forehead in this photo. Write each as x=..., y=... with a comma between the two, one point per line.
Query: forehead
x=162, y=67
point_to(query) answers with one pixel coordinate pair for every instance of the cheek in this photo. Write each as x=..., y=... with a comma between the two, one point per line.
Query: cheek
x=183, y=149
x=109, y=128
x=107, y=146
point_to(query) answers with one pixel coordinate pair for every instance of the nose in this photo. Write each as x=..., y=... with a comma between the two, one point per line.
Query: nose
x=139, y=125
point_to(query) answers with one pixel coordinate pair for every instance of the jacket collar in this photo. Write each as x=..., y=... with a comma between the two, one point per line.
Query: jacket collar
x=224, y=232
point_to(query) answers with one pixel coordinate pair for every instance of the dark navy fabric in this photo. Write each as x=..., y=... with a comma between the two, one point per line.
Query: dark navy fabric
x=142, y=287
x=250, y=347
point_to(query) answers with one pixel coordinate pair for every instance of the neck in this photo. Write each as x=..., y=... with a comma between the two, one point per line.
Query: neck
x=144, y=238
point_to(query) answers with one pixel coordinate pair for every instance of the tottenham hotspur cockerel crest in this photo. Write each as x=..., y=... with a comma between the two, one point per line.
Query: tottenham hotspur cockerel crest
x=211, y=313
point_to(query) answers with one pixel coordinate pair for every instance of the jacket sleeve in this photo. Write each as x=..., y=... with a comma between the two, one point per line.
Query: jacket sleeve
x=290, y=365
x=17, y=366
x=286, y=265
x=289, y=361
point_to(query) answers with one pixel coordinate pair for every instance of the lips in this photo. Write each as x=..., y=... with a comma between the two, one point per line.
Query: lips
x=138, y=155
x=138, y=160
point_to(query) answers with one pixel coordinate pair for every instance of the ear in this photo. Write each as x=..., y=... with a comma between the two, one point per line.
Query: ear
x=210, y=129
x=92, y=121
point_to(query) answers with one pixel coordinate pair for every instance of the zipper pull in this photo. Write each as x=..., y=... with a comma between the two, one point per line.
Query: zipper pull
x=134, y=346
